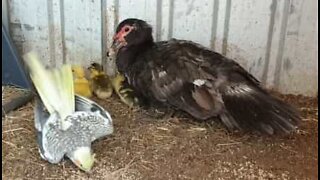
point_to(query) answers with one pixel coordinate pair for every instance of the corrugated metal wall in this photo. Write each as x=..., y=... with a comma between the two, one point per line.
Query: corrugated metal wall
x=276, y=40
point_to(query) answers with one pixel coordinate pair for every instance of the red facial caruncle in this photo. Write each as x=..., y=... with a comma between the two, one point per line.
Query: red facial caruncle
x=124, y=31
x=119, y=40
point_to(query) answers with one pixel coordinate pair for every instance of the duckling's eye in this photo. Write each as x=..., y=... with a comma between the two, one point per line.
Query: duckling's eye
x=126, y=29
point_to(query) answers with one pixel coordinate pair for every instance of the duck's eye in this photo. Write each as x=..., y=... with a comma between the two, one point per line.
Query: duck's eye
x=126, y=29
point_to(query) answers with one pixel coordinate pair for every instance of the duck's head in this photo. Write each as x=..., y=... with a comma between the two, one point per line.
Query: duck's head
x=131, y=32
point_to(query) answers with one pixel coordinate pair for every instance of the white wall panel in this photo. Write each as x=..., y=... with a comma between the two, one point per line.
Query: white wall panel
x=276, y=40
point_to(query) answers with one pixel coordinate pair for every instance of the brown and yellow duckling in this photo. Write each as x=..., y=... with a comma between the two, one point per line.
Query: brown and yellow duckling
x=125, y=93
x=120, y=85
x=100, y=82
x=103, y=86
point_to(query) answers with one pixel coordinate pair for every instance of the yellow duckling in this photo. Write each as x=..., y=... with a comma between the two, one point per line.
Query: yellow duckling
x=81, y=84
x=99, y=81
x=125, y=94
x=120, y=85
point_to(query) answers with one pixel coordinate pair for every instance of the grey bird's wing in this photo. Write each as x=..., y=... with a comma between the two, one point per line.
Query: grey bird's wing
x=85, y=104
x=94, y=117
x=40, y=118
x=56, y=142
x=96, y=125
x=40, y=115
x=51, y=140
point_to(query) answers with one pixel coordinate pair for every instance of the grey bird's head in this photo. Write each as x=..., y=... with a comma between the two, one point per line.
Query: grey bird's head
x=82, y=157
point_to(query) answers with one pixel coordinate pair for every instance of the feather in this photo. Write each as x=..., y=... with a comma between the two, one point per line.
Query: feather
x=55, y=87
x=253, y=108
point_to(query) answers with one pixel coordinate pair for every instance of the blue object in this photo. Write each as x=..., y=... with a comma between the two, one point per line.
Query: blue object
x=13, y=71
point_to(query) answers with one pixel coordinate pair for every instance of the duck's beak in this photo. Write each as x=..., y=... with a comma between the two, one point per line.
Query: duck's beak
x=118, y=44
x=115, y=47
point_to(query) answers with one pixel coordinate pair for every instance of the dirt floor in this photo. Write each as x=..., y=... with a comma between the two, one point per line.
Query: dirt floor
x=146, y=148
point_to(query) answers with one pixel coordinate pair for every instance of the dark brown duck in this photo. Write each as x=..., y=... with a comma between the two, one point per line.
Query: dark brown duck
x=195, y=79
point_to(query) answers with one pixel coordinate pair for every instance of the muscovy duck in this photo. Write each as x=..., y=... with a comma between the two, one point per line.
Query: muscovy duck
x=197, y=80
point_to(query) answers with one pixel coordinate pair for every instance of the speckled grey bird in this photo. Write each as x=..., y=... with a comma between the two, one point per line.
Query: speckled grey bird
x=66, y=123
x=89, y=123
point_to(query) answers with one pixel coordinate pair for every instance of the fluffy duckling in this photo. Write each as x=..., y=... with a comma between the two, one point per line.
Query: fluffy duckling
x=81, y=84
x=125, y=93
x=119, y=83
x=99, y=81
